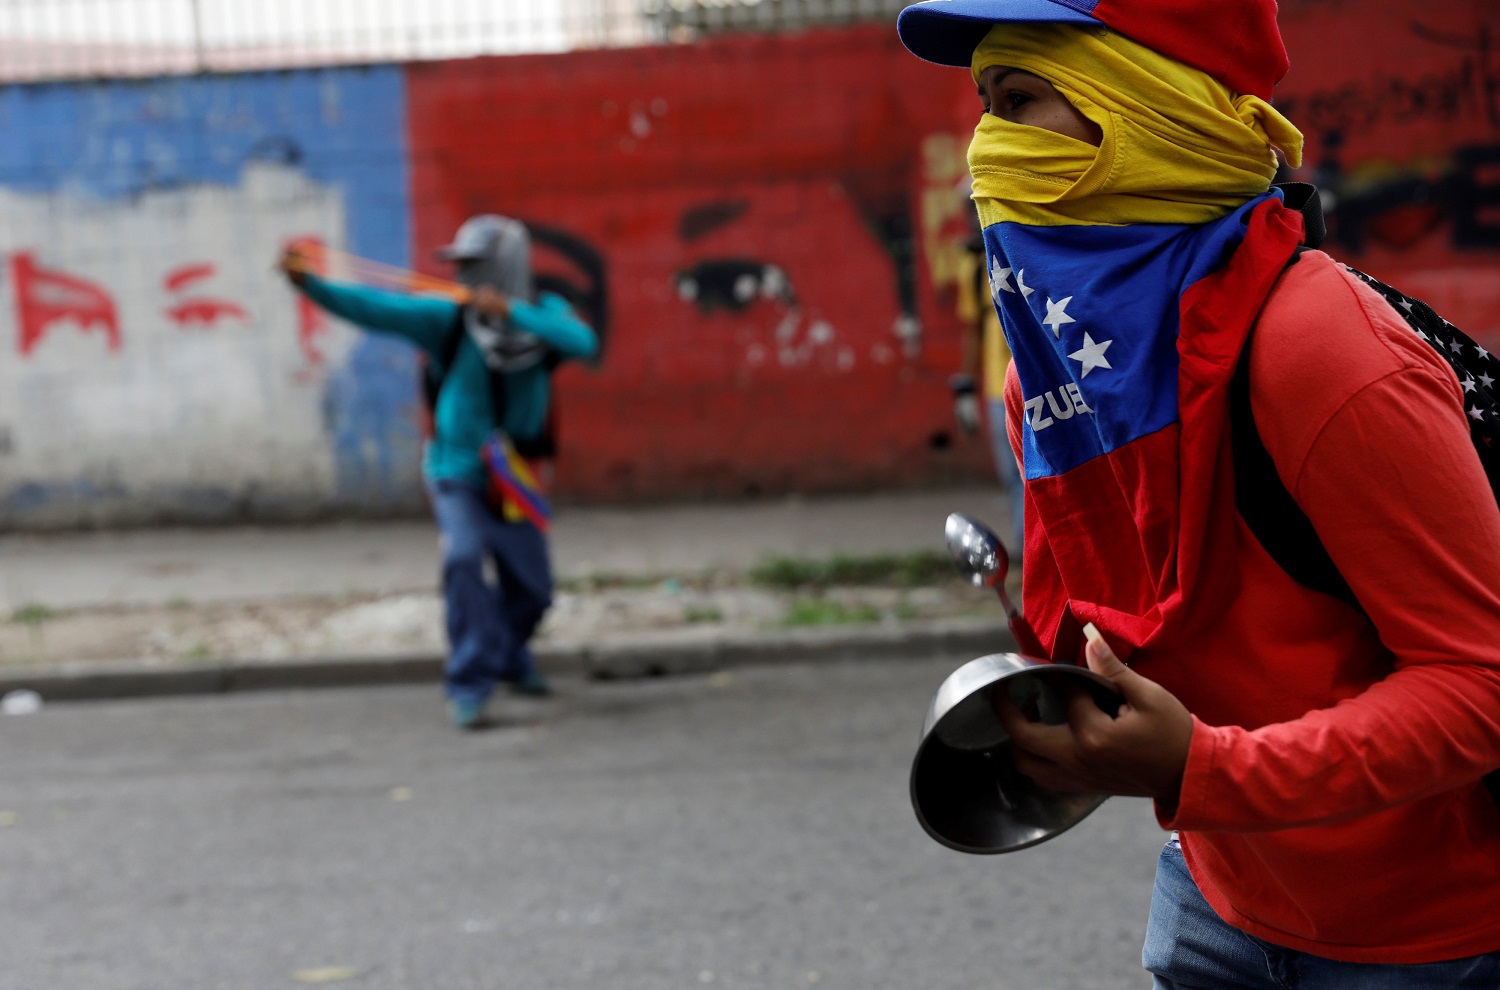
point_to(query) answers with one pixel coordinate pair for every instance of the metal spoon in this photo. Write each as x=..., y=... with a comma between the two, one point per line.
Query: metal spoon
x=980, y=557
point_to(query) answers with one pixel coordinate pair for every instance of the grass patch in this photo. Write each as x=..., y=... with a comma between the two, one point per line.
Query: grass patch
x=33, y=615
x=906, y=611
x=815, y=611
x=608, y=582
x=909, y=570
x=702, y=613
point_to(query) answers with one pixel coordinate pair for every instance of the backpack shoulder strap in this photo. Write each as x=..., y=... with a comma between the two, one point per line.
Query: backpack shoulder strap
x=1304, y=198
x=1265, y=503
x=435, y=373
x=1269, y=510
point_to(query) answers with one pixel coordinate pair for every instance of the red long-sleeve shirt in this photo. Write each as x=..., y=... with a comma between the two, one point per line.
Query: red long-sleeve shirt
x=1331, y=800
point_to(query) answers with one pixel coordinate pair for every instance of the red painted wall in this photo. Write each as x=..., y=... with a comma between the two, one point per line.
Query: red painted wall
x=791, y=151
x=811, y=153
x=1400, y=106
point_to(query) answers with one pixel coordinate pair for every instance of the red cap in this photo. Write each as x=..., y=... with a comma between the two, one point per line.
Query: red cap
x=1235, y=41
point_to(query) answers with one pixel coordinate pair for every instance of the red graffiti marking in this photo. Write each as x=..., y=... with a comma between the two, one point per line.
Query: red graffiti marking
x=312, y=322
x=187, y=274
x=200, y=312
x=46, y=297
x=204, y=313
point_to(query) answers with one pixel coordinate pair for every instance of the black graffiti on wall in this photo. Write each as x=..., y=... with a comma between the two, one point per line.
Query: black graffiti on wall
x=705, y=218
x=1465, y=89
x=579, y=278
x=1404, y=208
x=733, y=284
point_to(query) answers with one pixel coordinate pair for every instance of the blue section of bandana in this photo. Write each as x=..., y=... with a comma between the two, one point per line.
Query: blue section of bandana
x=1092, y=316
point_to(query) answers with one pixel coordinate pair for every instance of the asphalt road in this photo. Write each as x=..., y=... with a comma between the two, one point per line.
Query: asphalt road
x=745, y=829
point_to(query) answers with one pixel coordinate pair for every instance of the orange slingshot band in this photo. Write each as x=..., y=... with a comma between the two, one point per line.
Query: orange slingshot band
x=320, y=259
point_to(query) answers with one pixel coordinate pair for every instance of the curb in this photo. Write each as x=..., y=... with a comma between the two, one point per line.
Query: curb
x=617, y=659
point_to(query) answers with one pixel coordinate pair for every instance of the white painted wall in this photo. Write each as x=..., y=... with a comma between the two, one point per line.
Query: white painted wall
x=185, y=414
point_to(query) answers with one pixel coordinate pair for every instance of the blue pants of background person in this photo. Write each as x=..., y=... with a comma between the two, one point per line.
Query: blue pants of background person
x=1009, y=473
x=1189, y=948
x=489, y=625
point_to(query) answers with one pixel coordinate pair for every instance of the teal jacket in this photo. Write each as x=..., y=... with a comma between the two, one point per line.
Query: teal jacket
x=463, y=419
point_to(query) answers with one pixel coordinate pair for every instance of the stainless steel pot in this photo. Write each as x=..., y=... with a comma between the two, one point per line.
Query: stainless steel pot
x=965, y=787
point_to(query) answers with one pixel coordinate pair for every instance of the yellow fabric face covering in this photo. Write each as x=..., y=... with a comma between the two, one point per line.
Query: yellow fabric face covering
x=1178, y=146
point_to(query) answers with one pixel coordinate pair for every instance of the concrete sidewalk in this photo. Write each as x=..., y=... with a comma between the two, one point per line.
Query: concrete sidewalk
x=146, y=567
x=383, y=576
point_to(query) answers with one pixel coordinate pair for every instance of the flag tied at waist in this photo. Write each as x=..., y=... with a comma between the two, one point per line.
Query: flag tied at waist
x=515, y=483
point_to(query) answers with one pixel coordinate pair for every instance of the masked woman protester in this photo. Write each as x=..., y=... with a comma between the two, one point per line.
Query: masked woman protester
x=490, y=360
x=1320, y=762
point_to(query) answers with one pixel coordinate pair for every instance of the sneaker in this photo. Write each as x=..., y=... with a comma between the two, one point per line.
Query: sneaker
x=533, y=685
x=466, y=713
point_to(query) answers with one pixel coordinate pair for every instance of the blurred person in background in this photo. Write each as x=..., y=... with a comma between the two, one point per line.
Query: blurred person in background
x=489, y=362
x=984, y=359
x=1321, y=759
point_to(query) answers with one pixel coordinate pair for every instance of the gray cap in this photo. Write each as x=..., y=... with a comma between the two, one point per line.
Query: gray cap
x=495, y=251
x=475, y=238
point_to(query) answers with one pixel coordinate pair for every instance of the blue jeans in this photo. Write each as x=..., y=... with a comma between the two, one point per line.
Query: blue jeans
x=489, y=625
x=1189, y=948
x=1009, y=473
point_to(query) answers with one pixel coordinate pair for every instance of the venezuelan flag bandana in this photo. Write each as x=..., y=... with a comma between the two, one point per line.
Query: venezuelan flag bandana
x=1127, y=277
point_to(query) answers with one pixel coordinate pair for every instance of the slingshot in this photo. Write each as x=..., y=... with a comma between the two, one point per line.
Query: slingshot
x=320, y=258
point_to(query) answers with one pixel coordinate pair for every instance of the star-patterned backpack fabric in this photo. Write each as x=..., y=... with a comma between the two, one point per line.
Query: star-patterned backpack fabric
x=1267, y=507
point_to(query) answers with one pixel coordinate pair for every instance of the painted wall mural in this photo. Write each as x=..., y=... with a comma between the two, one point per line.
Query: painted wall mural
x=156, y=367
x=759, y=201
x=763, y=228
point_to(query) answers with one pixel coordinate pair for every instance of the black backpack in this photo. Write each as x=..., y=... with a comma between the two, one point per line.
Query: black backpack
x=544, y=444
x=1263, y=501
